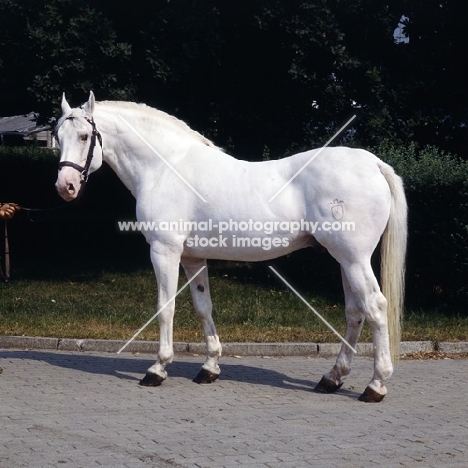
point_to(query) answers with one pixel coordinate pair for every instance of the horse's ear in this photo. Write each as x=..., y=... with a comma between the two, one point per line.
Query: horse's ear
x=89, y=106
x=66, y=109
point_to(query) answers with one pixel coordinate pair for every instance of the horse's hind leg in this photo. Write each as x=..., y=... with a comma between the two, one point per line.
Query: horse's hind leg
x=365, y=300
x=200, y=290
x=333, y=380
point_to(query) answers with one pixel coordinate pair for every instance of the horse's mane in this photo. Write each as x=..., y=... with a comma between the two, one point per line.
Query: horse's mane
x=151, y=112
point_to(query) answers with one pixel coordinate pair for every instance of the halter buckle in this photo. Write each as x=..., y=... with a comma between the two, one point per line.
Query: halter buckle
x=84, y=176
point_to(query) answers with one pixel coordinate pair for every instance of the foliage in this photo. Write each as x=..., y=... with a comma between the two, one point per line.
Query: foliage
x=433, y=76
x=437, y=191
x=436, y=185
x=249, y=73
x=263, y=78
x=59, y=45
x=36, y=166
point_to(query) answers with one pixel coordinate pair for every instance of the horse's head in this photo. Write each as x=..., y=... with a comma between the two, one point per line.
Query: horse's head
x=80, y=148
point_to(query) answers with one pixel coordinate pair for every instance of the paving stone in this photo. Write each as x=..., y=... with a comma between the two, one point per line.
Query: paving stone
x=85, y=409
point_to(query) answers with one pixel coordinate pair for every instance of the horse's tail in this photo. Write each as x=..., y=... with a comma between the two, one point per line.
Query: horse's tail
x=393, y=256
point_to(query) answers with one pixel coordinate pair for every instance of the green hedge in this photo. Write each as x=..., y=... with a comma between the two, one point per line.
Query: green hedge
x=27, y=174
x=436, y=187
x=78, y=236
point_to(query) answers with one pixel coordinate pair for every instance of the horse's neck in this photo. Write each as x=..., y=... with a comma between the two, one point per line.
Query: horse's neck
x=131, y=147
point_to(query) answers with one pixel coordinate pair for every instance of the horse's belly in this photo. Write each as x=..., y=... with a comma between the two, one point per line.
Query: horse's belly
x=244, y=248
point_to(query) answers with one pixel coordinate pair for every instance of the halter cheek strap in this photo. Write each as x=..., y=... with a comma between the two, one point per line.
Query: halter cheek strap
x=85, y=170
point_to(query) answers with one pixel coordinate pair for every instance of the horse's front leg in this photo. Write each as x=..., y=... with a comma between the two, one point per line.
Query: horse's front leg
x=166, y=268
x=200, y=290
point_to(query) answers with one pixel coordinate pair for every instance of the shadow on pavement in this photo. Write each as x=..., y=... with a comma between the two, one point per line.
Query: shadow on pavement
x=129, y=368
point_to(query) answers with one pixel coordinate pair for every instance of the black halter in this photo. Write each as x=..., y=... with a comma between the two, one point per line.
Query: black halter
x=85, y=170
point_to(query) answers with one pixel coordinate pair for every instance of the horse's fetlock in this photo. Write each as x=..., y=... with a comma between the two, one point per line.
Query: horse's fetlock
x=165, y=356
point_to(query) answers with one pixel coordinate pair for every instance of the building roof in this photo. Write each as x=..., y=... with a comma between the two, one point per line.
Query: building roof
x=22, y=124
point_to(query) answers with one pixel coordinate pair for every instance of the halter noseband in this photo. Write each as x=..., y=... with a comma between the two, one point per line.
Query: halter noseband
x=85, y=170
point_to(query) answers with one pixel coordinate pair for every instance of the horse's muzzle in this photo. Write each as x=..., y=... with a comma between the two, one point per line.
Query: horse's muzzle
x=68, y=184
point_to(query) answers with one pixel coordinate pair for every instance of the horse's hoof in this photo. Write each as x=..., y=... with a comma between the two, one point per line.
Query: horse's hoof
x=327, y=386
x=205, y=376
x=151, y=380
x=371, y=396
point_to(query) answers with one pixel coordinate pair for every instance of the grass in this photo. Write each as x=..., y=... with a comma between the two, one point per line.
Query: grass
x=115, y=304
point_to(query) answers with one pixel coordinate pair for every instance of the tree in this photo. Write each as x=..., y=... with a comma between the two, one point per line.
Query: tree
x=258, y=76
x=434, y=74
x=56, y=46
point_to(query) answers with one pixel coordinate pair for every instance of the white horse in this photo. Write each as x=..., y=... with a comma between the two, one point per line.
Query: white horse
x=209, y=205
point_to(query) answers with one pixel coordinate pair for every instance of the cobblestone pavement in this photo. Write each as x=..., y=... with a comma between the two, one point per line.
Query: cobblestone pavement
x=71, y=409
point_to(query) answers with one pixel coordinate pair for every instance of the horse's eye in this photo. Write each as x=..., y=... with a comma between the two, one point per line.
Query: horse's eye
x=84, y=137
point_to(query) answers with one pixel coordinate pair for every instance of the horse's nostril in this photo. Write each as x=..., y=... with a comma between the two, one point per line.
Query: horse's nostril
x=71, y=188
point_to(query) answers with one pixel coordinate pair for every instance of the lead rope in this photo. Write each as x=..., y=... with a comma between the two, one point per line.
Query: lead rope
x=8, y=211
x=5, y=273
x=84, y=179
x=6, y=258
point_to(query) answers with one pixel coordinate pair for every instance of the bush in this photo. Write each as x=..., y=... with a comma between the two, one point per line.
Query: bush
x=27, y=175
x=437, y=191
x=82, y=233
x=436, y=187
